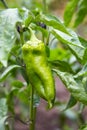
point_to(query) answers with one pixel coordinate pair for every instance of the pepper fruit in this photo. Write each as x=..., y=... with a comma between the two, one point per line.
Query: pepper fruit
x=38, y=70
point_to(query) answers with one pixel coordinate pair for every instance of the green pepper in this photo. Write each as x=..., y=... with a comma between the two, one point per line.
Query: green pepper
x=38, y=70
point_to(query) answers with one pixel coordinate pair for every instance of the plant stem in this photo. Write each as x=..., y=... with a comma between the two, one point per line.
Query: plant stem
x=5, y=4
x=44, y=6
x=43, y=39
x=32, y=110
x=34, y=117
x=47, y=42
x=22, y=38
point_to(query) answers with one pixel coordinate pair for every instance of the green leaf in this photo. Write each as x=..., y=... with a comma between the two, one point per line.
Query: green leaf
x=61, y=65
x=17, y=83
x=72, y=101
x=72, y=42
x=82, y=72
x=24, y=74
x=58, y=54
x=21, y=91
x=65, y=38
x=10, y=99
x=83, y=41
x=85, y=57
x=81, y=12
x=52, y=21
x=76, y=88
x=18, y=89
x=8, y=34
x=83, y=127
x=7, y=71
x=69, y=11
x=24, y=95
x=3, y=113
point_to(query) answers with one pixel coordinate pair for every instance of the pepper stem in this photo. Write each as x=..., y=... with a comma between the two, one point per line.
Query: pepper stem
x=33, y=38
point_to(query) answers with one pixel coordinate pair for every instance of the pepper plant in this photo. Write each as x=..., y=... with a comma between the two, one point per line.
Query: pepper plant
x=27, y=48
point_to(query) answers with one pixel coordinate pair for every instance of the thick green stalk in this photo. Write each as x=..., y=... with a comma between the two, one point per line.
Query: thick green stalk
x=32, y=110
